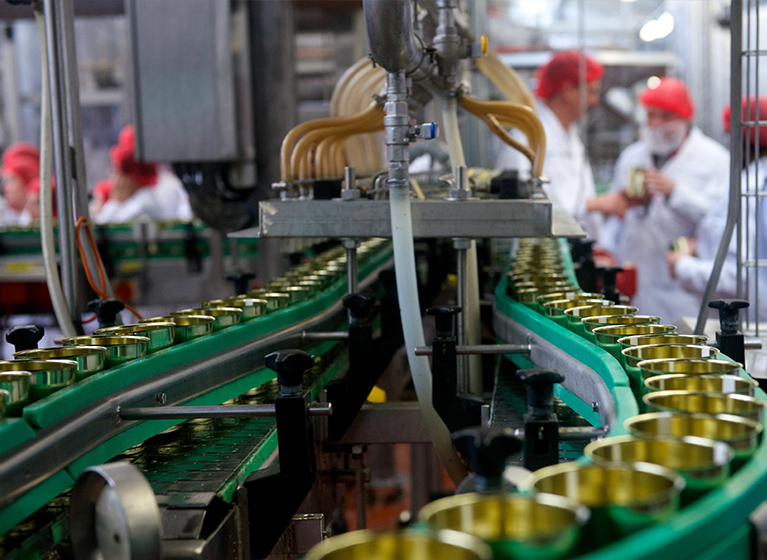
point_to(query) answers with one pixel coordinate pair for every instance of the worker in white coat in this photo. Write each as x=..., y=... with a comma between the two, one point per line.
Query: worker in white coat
x=692, y=262
x=139, y=190
x=683, y=173
x=20, y=172
x=571, y=181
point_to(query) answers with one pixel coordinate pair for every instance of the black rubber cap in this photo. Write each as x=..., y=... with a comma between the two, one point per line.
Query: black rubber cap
x=24, y=337
x=241, y=282
x=540, y=388
x=487, y=448
x=609, y=276
x=444, y=319
x=729, y=313
x=106, y=310
x=359, y=305
x=289, y=365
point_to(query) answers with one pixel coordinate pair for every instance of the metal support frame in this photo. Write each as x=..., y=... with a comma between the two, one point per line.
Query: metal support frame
x=736, y=157
x=215, y=411
x=56, y=31
x=580, y=380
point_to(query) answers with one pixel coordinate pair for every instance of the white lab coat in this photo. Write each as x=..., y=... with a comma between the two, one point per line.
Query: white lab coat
x=700, y=171
x=693, y=271
x=165, y=200
x=10, y=217
x=566, y=166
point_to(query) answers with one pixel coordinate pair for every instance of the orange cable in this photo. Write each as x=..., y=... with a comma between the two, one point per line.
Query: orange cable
x=101, y=292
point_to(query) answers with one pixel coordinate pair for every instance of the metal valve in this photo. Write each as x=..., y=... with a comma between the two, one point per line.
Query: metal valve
x=426, y=131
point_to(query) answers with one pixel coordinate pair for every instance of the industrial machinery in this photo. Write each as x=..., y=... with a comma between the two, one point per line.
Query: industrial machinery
x=218, y=431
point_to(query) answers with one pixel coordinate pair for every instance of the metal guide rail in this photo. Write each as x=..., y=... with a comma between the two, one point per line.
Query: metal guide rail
x=718, y=525
x=58, y=437
x=151, y=240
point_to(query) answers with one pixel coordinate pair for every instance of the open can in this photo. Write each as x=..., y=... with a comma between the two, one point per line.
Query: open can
x=617, y=320
x=575, y=315
x=705, y=403
x=90, y=359
x=120, y=348
x=538, y=527
x=607, y=337
x=48, y=376
x=635, y=354
x=555, y=310
x=706, y=383
x=739, y=433
x=623, y=498
x=703, y=463
x=410, y=545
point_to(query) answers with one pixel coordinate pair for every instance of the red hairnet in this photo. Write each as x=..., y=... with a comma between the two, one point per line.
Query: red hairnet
x=564, y=70
x=749, y=106
x=23, y=160
x=22, y=149
x=123, y=159
x=669, y=95
x=34, y=188
x=103, y=189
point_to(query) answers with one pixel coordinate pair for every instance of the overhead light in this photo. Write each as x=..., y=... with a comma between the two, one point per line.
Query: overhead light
x=657, y=28
x=628, y=1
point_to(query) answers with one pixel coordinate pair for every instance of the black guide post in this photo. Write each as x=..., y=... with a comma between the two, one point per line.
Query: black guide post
x=348, y=393
x=191, y=250
x=729, y=339
x=541, y=447
x=106, y=311
x=487, y=450
x=583, y=263
x=24, y=337
x=276, y=492
x=456, y=409
x=241, y=282
x=609, y=275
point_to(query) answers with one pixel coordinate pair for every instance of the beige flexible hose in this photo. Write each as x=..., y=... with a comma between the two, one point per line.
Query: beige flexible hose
x=515, y=115
x=367, y=121
x=496, y=128
x=506, y=79
x=343, y=82
x=363, y=150
x=290, y=144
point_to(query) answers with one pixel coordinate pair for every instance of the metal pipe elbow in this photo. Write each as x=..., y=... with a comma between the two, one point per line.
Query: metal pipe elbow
x=390, y=34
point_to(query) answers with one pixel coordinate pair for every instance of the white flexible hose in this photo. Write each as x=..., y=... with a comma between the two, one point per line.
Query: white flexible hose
x=60, y=307
x=452, y=132
x=412, y=327
x=471, y=291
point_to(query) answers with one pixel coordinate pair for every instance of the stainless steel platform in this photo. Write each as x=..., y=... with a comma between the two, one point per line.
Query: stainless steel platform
x=431, y=219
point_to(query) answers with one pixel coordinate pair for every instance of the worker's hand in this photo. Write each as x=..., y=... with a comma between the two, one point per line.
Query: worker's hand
x=610, y=204
x=656, y=182
x=672, y=257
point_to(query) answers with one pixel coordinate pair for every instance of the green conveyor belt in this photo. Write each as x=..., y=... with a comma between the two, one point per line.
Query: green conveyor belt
x=57, y=406
x=716, y=527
